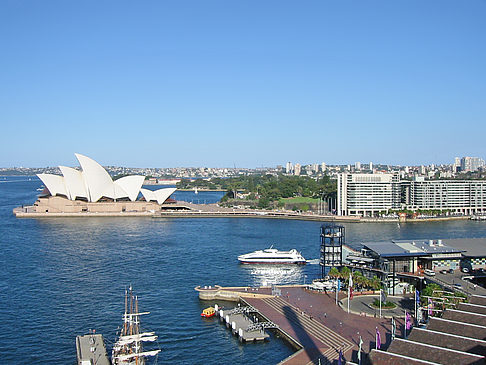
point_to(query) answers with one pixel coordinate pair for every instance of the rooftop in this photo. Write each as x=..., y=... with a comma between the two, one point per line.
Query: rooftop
x=471, y=246
x=414, y=248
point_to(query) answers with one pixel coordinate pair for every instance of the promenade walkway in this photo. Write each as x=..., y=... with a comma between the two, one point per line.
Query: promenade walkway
x=362, y=304
x=320, y=327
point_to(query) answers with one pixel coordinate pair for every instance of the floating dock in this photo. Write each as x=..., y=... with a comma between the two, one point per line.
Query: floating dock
x=244, y=323
x=91, y=349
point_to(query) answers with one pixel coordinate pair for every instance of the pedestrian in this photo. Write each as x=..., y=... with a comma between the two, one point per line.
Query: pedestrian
x=325, y=315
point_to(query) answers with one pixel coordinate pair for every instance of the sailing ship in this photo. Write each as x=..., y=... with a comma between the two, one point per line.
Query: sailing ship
x=128, y=349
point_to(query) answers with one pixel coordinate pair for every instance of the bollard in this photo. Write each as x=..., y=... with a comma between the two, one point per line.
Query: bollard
x=233, y=325
x=240, y=332
x=216, y=308
x=227, y=319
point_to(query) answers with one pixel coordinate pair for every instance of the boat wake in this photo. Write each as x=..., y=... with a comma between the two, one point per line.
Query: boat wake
x=313, y=262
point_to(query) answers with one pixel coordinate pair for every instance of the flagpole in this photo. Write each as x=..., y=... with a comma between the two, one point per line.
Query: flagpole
x=405, y=327
x=337, y=290
x=380, y=303
x=359, y=350
x=376, y=338
x=348, y=297
x=415, y=304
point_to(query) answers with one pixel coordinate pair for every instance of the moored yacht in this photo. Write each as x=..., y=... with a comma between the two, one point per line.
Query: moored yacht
x=272, y=256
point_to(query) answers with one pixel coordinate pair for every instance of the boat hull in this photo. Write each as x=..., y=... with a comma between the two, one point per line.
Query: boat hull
x=273, y=262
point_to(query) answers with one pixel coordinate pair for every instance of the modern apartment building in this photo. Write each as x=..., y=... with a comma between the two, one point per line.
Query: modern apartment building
x=461, y=196
x=367, y=194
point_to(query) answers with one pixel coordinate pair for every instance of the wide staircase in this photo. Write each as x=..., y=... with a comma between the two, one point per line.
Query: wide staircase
x=322, y=337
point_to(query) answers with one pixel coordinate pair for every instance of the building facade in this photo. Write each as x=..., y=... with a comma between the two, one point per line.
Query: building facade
x=367, y=194
x=460, y=196
x=370, y=194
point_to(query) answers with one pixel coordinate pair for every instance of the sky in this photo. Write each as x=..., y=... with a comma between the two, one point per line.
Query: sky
x=247, y=83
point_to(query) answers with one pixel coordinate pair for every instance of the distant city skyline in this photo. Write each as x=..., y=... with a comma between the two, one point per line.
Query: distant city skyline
x=245, y=84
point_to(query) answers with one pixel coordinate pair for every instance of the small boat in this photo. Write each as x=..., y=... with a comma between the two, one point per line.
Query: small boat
x=272, y=256
x=208, y=312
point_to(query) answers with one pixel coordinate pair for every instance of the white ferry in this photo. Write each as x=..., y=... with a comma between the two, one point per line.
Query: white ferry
x=272, y=256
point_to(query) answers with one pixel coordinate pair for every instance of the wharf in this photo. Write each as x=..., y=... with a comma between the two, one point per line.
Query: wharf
x=312, y=322
x=190, y=210
x=238, y=320
x=90, y=349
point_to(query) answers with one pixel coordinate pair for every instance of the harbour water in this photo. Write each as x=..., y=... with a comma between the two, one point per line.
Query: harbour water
x=61, y=277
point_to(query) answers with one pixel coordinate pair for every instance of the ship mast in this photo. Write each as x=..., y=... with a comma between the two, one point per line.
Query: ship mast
x=128, y=349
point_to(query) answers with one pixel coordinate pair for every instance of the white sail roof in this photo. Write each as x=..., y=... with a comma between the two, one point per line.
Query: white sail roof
x=74, y=183
x=131, y=185
x=160, y=195
x=163, y=194
x=97, y=179
x=94, y=182
x=54, y=183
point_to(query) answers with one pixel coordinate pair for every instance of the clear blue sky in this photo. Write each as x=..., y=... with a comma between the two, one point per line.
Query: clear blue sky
x=245, y=83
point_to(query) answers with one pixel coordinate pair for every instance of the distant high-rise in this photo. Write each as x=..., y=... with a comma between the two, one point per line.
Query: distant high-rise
x=289, y=168
x=297, y=169
x=457, y=162
x=471, y=163
x=371, y=166
x=357, y=165
x=323, y=167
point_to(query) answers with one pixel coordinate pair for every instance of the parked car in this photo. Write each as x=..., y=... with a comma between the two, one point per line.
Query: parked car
x=465, y=269
x=457, y=285
x=450, y=271
x=443, y=271
x=429, y=272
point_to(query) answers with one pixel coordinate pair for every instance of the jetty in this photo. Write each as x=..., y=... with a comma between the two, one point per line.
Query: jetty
x=309, y=321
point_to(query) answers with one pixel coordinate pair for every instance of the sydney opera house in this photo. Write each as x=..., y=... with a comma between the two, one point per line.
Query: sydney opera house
x=92, y=189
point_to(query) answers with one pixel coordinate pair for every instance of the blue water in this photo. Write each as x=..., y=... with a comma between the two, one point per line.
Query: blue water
x=61, y=277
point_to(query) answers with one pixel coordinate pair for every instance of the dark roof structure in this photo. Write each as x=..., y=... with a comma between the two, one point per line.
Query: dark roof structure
x=459, y=337
x=472, y=247
x=409, y=248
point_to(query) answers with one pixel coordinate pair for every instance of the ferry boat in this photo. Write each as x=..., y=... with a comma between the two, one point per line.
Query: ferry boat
x=272, y=256
x=208, y=312
x=128, y=348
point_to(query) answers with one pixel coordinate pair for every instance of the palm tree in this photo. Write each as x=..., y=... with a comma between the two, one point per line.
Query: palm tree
x=334, y=272
x=345, y=271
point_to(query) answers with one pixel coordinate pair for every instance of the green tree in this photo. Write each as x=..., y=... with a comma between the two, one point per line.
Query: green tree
x=334, y=272
x=345, y=271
